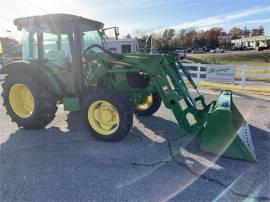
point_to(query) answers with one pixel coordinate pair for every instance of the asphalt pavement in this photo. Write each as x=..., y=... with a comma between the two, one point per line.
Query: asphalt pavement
x=156, y=162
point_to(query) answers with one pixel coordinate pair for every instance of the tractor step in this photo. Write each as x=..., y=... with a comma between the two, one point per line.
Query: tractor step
x=71, y=104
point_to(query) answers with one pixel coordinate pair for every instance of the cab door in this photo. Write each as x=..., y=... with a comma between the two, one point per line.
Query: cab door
x=57, y=53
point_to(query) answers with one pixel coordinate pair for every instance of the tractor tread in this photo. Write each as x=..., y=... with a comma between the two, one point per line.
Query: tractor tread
x=153, y=109
x=124, y=109
x=46, y=108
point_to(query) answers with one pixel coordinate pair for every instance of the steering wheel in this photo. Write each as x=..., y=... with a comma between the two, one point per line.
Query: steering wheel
x=93, y=46
x=117, y=56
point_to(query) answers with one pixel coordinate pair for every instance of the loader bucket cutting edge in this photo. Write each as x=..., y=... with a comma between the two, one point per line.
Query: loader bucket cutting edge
x=225, y=131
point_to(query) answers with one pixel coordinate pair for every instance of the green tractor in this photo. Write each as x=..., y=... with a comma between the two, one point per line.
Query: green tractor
x=65, y=60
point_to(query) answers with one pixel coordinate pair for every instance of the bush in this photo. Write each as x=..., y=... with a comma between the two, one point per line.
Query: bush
x=230, y=57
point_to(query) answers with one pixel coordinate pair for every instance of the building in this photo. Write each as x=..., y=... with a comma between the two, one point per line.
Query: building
x=1, y=49
x=255, y=42
x=123, y=45
x=2, y=58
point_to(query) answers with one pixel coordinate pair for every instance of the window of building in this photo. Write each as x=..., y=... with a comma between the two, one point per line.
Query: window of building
x=112, y=50
x=126, y=48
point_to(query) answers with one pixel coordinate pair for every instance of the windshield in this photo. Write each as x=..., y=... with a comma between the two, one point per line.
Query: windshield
x=92, y=37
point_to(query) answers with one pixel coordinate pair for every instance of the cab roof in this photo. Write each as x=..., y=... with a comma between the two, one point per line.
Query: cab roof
x=57, y=21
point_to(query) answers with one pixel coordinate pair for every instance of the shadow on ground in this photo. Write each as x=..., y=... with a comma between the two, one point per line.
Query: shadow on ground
x=156, y=162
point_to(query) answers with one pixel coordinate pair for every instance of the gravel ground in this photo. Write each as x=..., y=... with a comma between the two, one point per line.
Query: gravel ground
x=156, y=162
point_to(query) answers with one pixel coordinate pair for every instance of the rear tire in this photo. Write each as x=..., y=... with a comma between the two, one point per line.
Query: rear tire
x=43, y=102
x=109, y=117
x=151, y=109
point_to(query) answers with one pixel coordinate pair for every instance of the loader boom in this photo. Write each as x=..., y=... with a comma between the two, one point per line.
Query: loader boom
x=221, y=127
x=167, y=81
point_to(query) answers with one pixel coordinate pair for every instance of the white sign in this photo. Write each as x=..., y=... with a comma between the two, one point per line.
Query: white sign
x=221, y=74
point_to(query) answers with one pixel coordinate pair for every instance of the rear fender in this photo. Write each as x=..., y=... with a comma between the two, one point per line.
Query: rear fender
x=47, y=78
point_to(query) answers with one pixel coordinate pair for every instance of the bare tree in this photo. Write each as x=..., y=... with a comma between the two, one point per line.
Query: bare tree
x=128, y=36
x=11, y=46
x=236, y=33
x=257, y=31
x=212, y=36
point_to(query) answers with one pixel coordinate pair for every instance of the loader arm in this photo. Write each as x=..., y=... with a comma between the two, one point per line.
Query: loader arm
x=220, y=126
x=168, y=82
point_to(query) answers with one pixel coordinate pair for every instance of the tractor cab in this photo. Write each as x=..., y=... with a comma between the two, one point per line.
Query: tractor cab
x=53, y=37
x=58, y=41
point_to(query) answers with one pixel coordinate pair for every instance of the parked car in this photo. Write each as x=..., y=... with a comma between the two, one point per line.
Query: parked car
x=198, y=50
x=220, y=50
x=188, y=50
x=206, y=49
x=217, y=50
x=181, y=54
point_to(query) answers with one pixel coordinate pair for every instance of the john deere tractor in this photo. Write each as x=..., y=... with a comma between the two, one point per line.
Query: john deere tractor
x=66, y=60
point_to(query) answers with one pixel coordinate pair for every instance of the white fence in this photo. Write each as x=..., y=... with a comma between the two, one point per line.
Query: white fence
x=4, y=60
x=199, y=72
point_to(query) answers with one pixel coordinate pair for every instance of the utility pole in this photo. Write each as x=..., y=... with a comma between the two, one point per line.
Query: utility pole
x=9, y=33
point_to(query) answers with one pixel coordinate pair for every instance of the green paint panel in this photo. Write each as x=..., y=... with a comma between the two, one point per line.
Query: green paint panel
x=71, y=104
x=226, y=132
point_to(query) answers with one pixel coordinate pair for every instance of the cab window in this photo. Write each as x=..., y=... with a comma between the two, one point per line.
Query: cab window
x=92, y=37
x=56, y=47
x=30, y=45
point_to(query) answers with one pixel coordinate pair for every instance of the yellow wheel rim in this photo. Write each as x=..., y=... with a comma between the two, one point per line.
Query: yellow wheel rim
x=146, y=104
x=21, y=100
x=103, y=117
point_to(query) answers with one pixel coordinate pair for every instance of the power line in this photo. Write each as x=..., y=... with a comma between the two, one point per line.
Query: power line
x=37, y=7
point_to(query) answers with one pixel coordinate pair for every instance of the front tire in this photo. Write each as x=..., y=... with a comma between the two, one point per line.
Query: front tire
x=109, y=117
x=27, y=101
x=149, y=106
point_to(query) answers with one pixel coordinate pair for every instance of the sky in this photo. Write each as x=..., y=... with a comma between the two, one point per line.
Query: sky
x=144, y=15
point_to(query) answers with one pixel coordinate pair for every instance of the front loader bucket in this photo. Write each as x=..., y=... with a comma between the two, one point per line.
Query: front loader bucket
x=225, y=131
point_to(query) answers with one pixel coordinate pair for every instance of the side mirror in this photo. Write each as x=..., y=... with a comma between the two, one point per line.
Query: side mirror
x=115, y=29
x=103, y=32
x=148, y=44
x=116, y=32
x=19, y=28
